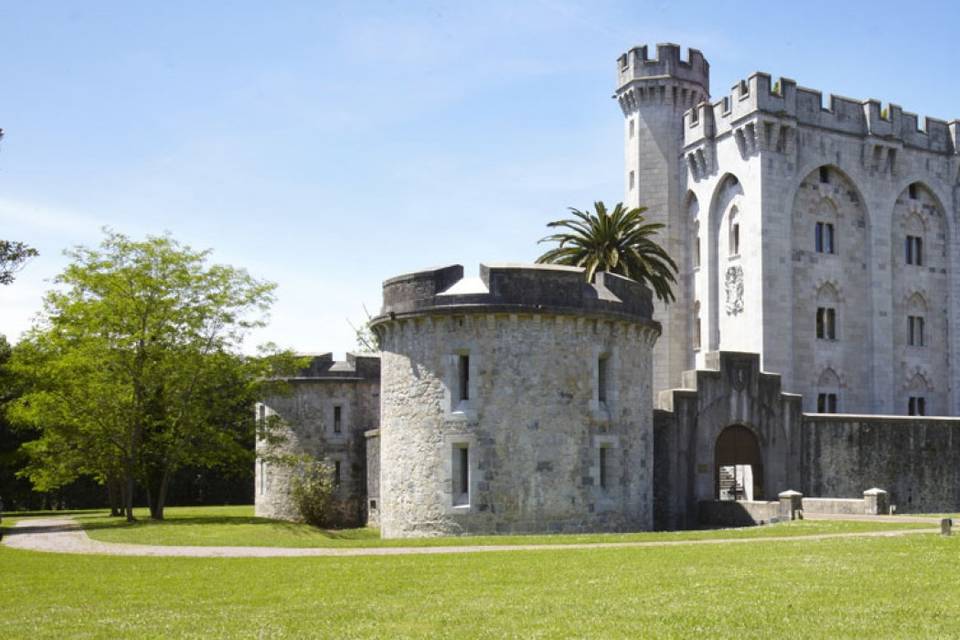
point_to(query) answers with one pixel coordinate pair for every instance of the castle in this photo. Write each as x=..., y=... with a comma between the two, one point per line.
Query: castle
x=810, y=339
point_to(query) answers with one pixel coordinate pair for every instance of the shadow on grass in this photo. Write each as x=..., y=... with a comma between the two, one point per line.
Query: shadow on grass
x=274, y=526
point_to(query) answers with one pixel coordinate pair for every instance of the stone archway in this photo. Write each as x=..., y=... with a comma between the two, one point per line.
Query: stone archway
x=739, y=465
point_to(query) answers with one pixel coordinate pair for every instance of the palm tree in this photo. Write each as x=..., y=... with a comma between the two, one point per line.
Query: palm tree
x=620, y=241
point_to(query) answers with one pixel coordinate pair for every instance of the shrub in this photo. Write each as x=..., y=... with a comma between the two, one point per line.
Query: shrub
x=313, y=491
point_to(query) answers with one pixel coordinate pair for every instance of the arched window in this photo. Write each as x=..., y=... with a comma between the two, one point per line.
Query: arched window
x=916, y=321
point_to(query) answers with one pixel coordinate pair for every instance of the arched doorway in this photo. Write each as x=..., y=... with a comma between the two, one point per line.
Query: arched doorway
x=739, y=465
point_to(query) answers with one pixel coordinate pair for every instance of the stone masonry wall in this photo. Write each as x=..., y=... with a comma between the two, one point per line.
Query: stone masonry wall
x=916, y=460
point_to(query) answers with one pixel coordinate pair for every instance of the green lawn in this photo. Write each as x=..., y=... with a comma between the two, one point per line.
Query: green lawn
x=854, y=588
x=236, y=526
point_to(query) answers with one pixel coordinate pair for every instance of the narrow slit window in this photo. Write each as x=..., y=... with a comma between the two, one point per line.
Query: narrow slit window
x=603, y=365
x=336, y=473
x=461, y=475
x=735, y=240
x=604, y=470
x=338, y=419
x=696, y=252
x=632, y=179
x=263, y=477
x=696, y=333
x=463, y=375
x=262, y=421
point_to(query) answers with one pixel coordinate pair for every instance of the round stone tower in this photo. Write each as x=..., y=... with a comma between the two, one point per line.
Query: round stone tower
x=654, y=93
x=518, y=401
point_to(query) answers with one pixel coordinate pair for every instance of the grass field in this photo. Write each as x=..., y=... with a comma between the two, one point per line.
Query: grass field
x=855, y=587
x=236, y=526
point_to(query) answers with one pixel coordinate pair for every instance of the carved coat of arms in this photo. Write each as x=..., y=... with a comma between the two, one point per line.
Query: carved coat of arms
x=733, y=283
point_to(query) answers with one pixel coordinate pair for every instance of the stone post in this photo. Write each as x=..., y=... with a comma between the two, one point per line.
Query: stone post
x=876, y=502
x=791, y=504
x=946, y=524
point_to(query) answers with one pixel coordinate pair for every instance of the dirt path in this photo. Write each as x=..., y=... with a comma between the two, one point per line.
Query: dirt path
x=63, y=535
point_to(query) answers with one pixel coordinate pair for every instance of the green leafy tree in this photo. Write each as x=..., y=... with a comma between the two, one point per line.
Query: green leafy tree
x=13, y=256
x=134, y=368
x=620, y=241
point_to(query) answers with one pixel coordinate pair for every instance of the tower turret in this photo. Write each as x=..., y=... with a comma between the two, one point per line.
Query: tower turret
x=654, y=93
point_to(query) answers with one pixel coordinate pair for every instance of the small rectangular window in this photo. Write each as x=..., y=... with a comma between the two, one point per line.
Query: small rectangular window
x=912, y=190
x=461, y=475
x=826, y=323
x=828, y=238
x=602, y=377
x=463, y=375
x=604, y=470
x=818, y=238
x=337, y=419
x=336, y=473
x=824, y=175
x=826, y=403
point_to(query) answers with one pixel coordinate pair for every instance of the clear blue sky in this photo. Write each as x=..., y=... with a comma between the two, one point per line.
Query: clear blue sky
x=328, y=146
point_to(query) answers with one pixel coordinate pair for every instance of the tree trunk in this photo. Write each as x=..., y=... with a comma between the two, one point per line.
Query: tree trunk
x=128, y=486
x=158, y=493
x=115, y=496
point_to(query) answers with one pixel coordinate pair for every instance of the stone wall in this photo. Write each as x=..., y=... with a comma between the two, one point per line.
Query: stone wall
x=916, y=460
x=545, y=451
x=310, y=427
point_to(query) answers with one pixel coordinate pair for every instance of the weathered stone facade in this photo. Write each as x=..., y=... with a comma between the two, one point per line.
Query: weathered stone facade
x=534, y=380
x=330, y=406
x=763, y=169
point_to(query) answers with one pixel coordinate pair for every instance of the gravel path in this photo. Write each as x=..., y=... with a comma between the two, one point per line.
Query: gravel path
x=63, y=535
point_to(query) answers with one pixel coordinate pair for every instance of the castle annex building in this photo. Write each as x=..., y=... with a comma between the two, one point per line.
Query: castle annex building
x=811, y=341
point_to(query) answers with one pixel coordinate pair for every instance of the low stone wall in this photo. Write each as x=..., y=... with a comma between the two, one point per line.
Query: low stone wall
x=737, y=513
x=839, y=506
x=916, y=459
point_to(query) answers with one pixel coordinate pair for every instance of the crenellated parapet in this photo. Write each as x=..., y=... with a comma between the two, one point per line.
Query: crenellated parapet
x=516, y=289
x=664, y=79
x=763, y=115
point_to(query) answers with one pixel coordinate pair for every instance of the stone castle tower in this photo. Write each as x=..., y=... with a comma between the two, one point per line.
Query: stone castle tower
x=516, y=402
x=822, y=236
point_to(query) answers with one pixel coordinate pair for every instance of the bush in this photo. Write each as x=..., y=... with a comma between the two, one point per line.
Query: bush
x=313, y=491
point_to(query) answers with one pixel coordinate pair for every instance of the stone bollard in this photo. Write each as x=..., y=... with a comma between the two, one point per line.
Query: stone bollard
x=946, y=524
x=876, y=502
x=791, y=504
